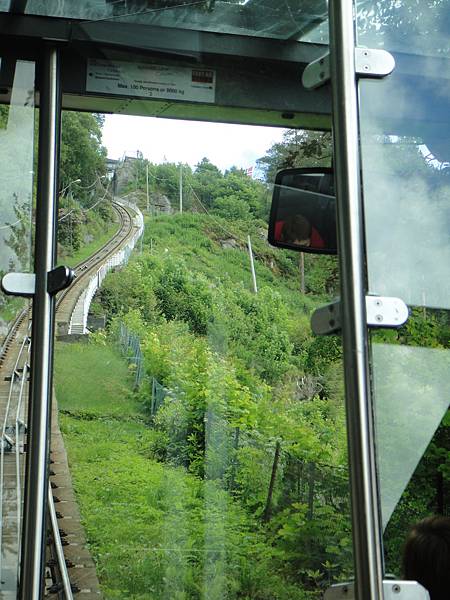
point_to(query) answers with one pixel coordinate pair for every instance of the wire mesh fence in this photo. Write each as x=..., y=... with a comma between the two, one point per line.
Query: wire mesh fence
x=130, y=347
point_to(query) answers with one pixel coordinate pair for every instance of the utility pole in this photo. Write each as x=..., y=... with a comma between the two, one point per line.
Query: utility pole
x=148, y=199
x=302, y=273
x=181, y=188
x=252, y=265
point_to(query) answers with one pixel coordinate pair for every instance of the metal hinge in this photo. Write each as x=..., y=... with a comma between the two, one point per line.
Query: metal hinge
x=392, y=590
x=369, y=62
x=24, y=284
x=381, y=311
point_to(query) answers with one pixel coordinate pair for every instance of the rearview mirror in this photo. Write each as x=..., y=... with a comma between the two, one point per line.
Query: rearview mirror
x=303, y=213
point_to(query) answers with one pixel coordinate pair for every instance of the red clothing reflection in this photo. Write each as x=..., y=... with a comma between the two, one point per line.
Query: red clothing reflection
x=315, y=240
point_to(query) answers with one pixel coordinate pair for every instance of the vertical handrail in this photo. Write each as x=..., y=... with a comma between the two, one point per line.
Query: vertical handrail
x=36, y=479
x=2, y=447
x=58, y=547
x=360, y=429
x=18, y=478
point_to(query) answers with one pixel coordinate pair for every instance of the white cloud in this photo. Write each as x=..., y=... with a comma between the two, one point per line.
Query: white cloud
x=188, y=141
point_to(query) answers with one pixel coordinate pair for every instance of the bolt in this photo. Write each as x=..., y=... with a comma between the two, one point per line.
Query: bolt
x=378, y=318
x=366, y=67
x=321, y=74
x=378, y=303
x=396, y=589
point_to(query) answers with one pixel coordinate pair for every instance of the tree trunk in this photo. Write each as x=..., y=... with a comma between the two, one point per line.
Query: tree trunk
x=302, y=272
x=312, y=473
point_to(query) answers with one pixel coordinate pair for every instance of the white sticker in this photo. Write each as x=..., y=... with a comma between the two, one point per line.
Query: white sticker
x=145, y=80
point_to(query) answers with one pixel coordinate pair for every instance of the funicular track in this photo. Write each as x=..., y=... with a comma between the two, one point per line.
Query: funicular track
x=14, y=374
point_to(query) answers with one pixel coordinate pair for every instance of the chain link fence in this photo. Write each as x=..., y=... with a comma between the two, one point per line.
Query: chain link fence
x=130, y=347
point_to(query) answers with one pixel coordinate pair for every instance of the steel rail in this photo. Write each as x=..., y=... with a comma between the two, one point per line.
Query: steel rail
x=62, y=566
x=115, y=242
x=126, y=218
x=15, y=324
x=23, y=379
x=2, y=446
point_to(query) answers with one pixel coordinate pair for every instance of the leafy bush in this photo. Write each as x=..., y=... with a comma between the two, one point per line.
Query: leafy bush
x=185, y=296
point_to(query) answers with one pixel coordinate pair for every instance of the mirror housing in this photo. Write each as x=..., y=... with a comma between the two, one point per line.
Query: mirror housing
x=303, y=212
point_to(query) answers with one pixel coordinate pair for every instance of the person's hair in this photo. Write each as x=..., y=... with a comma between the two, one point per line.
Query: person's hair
x=297, y=228
x=426, y=556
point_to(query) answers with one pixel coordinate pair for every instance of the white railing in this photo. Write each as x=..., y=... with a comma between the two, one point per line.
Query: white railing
x=78, y=319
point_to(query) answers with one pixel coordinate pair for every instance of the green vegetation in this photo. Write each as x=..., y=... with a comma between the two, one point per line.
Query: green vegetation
x=245, y=430
x=90, y=248
x=107, y=393
x=85, y=215
x=85, y=218
x=223, y=475
x=156, y=529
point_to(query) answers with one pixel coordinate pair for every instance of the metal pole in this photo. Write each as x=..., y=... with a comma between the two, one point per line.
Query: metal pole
x=58, y=546
x=302, y=272
x=181, y=188
x=360, y=431
x=148, y=199
x=36, y=481
x=252, y=265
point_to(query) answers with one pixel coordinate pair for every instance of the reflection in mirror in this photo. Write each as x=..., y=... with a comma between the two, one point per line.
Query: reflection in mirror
x=303, y=213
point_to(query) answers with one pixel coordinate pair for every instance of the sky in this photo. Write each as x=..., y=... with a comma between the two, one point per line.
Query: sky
x=188, y=141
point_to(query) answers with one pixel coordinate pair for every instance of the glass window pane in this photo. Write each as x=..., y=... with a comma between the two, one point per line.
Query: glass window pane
x=223, y=474
x=405, y=166
x=17, y=198
x=17, y=125
x=418, y=25
x=291, y=19
x=407, y=188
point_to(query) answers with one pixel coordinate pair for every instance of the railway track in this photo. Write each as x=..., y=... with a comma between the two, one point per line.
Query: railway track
x=14, y=375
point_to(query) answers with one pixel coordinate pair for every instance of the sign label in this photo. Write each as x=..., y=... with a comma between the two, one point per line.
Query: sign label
x=145, y=80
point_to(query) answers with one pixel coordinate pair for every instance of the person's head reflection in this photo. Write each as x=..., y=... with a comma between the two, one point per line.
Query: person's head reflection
x=426, y=556
x=297, y=230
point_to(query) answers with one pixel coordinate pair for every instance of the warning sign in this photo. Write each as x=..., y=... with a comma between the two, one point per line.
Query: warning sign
x=145, y=80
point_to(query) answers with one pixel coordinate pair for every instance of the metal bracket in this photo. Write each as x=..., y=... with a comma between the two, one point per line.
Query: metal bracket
x=317, y=73
x=19, y=284
x=24, y=284
x=392, y=590
x=369, y=62
x=381, y=311
x=59, y=279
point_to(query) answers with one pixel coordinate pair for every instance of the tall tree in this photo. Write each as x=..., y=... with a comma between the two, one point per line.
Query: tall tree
x=298, y=148
x=82, y=154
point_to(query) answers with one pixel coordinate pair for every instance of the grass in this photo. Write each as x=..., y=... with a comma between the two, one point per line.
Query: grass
x=154, y=530
x=95, y=381
x=11, y=308
x=197, y=238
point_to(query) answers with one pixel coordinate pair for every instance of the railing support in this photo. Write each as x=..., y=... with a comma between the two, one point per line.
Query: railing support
x=363, y=480
x=36, y=479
